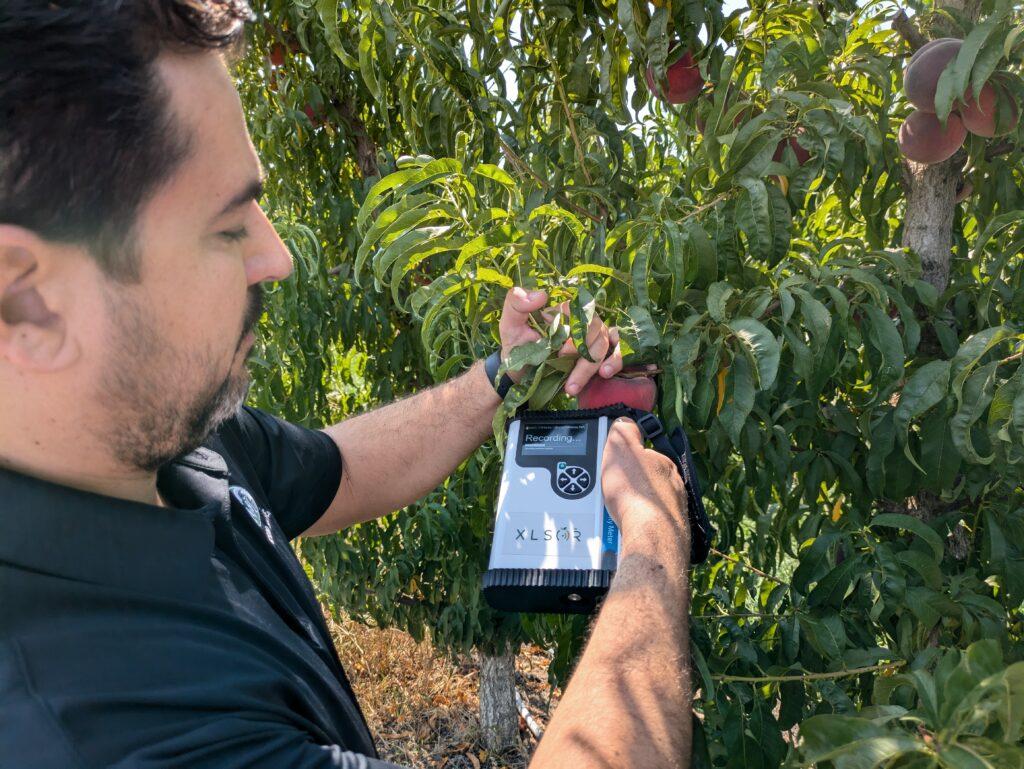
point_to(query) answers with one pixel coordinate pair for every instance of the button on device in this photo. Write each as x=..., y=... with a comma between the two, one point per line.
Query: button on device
x=572, y=479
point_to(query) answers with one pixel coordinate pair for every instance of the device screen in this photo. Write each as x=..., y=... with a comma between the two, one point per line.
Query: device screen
x=544, y=440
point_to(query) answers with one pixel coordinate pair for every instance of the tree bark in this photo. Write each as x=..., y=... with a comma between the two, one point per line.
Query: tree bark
x=499, y=717
x=928, y=225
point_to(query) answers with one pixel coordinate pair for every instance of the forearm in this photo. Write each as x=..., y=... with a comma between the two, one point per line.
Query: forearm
x=397, y=453
x=629, y=702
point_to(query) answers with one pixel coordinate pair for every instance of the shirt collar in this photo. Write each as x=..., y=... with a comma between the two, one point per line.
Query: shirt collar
x=66, y=532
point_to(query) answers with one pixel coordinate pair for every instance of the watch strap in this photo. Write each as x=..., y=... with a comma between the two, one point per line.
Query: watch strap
x=491, y=366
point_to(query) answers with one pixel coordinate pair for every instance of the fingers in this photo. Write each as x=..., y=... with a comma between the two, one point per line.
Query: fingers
x=518, y=305
x=612, y=363
x=626, y=430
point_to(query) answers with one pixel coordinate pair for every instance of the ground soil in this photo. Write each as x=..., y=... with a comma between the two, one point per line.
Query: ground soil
x=422, y=707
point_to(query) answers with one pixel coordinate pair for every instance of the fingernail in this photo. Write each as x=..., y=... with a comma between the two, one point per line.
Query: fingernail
x=572, y=388
x=536, y=294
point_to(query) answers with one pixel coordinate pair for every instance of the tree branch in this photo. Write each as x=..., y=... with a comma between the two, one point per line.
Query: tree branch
x=809, y=676
x=747, y=566
x=908, y=30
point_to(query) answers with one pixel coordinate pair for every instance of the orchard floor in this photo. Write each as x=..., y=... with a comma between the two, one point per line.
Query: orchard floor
x=422, y=708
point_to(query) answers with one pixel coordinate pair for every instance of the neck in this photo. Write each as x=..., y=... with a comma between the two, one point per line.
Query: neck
x=70, y=458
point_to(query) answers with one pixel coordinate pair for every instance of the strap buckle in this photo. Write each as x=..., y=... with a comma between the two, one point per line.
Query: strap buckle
x=650, y=426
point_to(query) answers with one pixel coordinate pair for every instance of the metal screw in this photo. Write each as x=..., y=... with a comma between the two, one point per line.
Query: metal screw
x=574, y=597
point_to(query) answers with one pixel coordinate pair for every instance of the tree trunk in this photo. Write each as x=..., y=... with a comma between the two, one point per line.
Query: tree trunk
x=928, y=232
x=931, y=189
x=928, y=225
x=499, y=718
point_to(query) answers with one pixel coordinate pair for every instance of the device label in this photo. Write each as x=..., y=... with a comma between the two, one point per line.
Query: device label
x=610, y=534
x=563, y=534
x=540, y=535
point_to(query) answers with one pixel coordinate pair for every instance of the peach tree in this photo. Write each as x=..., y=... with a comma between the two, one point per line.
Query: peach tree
x=839, y=327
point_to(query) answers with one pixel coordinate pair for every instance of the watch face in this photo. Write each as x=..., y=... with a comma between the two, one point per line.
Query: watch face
x=555, y=440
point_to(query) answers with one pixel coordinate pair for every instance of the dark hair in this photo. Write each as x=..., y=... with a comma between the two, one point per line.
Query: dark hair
x=86, y=135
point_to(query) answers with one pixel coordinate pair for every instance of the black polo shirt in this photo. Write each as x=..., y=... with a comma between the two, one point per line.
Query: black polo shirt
x=188, y=636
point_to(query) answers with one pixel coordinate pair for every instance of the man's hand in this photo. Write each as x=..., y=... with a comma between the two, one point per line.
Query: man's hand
x=638, y=481
x=602, y=342
x=629, y=702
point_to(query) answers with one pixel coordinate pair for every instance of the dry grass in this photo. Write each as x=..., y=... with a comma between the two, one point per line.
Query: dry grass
x=422, y=708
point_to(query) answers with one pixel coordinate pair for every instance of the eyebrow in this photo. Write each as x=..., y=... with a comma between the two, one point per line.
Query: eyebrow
x=253, y=191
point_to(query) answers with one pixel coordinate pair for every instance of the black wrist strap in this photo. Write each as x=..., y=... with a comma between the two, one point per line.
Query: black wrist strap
x=675, y=446
x=491, y=365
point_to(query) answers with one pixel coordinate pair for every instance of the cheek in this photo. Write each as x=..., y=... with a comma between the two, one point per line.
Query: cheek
x=208, y=312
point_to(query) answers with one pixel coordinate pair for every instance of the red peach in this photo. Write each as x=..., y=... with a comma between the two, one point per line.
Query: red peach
x=990, y=114
x=638, y=392
x=923, y=138
x=683, y=82
x=802, y=155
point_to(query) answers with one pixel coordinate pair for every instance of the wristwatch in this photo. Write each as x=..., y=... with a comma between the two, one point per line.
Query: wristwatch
x=491, y=365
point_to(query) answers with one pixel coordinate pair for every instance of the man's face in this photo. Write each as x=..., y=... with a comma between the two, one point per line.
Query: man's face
x=174, y=345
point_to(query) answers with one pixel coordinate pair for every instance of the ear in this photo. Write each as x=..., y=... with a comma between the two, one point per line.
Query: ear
x=33, y=334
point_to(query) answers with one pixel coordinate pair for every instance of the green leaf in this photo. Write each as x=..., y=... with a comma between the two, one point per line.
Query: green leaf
x=852, y=743
x=594, y=269
x=529, y=354
x=923, y=565
x=883, y=336
x=955, y=78
x=826, y=634
x=975, y=398
x=640, y=328
x=915, y=525
x=940, y=459
x=584, y=307
x=718, y=295
x=760, y=346
x=832, y=588
x=739, y=399
x=926, y=388
x=704, y=251
x=971, y=353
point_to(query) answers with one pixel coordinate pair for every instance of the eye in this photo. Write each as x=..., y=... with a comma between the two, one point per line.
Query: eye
x=234, y=236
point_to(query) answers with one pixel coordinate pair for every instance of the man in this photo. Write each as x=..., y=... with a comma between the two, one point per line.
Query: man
x=152, y=613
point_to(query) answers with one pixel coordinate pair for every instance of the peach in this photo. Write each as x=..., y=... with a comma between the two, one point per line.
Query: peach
x=921, y=77
x=924, y=140
x=639, y=392
x=682, y=83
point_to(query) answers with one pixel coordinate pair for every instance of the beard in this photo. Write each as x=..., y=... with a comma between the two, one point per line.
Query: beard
x=163, y=401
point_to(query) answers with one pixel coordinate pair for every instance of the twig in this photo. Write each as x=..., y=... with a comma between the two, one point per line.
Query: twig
x=747, y=566
x=565, y=108
x=809, y=676
x=531, y=723
x=742, y=615
x=523, y=169
x=999, y=148
x=908, y=30
x=1012, y=358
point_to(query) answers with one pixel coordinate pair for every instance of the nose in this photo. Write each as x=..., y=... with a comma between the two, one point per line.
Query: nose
x=269, y=259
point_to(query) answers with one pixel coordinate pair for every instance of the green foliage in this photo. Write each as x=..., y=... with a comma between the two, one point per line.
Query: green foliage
x=859, y=431
x=958, y=710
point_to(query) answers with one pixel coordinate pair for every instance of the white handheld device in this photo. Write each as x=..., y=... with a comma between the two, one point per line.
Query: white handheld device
x=555, y=545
